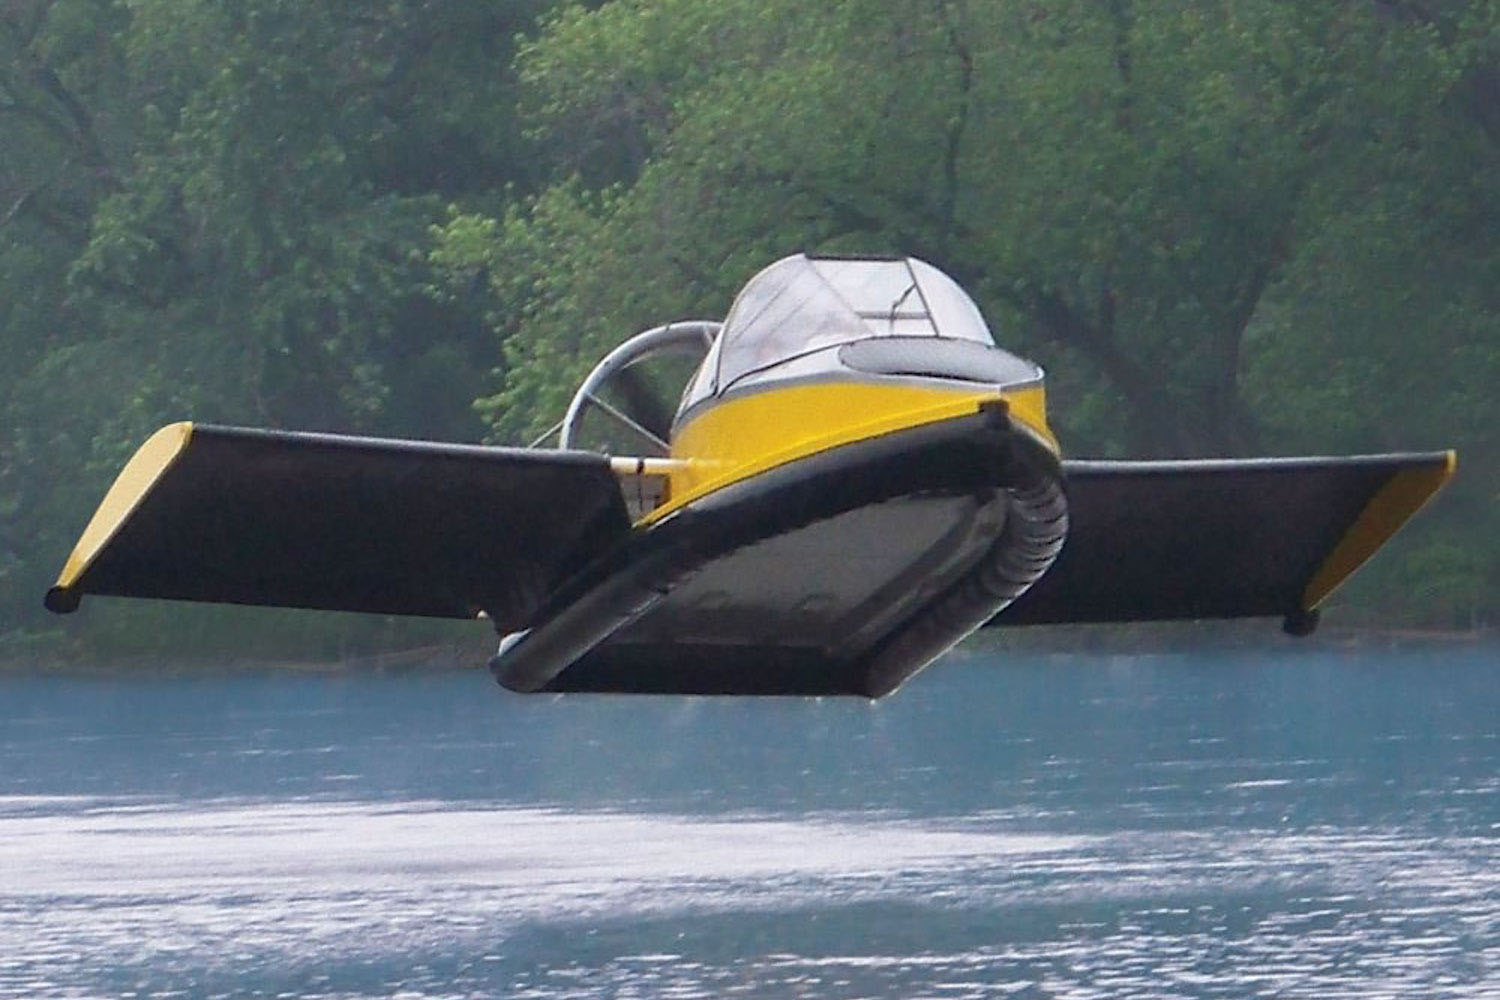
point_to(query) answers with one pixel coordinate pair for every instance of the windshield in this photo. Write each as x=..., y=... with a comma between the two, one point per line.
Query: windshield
x=803, y=304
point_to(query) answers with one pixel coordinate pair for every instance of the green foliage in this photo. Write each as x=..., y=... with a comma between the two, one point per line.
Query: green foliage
x=1256, y=226
x=222, y=210
x=1239, y=227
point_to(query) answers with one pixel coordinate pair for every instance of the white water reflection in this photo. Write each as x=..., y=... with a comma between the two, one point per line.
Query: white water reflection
x=533, y=860
x=260, y=898
x=100, y=883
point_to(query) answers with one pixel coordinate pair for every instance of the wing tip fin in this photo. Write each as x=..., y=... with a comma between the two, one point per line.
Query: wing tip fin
x=1395, y=503
x=146, y=467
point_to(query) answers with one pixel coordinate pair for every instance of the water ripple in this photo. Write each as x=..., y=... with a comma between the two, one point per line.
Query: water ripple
x=167, y=899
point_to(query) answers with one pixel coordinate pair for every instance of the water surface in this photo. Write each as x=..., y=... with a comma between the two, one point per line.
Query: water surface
x=1287, y=823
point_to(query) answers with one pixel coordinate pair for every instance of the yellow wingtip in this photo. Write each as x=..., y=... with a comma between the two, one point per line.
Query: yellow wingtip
x=145, y=468
x=1405, y=493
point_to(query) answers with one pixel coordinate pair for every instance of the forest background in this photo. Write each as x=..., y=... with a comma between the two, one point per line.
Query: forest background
x=1233, y=227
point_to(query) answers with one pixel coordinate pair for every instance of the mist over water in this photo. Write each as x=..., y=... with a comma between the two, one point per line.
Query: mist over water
x=1292, y=823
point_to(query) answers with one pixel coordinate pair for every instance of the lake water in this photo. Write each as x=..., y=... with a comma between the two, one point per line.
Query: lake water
x=1290, y=823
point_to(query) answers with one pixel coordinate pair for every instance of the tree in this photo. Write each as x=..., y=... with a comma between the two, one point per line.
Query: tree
x=221, y=210
x=1209, y=221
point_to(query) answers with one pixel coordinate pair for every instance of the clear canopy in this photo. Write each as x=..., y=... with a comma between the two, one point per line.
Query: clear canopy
x=803, y=304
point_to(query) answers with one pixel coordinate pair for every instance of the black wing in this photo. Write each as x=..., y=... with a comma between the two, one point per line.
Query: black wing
x=244, y=516
x=1222, y=538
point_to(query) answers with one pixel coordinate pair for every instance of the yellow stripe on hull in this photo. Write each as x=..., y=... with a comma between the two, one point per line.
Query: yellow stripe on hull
x=747, y=434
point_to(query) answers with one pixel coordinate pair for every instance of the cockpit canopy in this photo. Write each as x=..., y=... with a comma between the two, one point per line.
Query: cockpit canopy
x=801, y=307
x=801, y=318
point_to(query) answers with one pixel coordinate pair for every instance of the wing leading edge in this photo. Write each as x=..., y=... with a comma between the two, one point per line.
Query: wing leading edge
x=1222, y=538
x=241, y=516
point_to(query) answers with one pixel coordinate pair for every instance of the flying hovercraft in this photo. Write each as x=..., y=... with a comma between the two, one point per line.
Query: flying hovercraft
x=817, y=495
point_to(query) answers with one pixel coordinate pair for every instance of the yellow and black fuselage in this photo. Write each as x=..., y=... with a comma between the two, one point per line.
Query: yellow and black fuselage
x=820, y=536
x=747, y=433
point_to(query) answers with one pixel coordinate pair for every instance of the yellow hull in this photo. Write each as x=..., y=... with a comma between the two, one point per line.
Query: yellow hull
x=746, y=434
